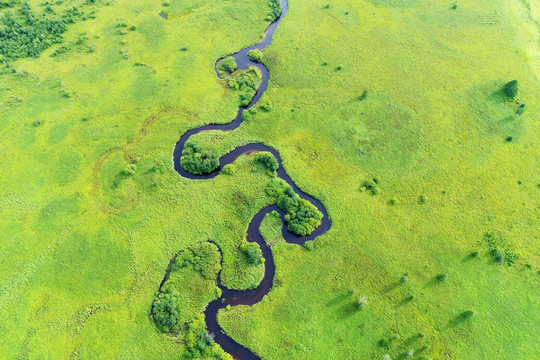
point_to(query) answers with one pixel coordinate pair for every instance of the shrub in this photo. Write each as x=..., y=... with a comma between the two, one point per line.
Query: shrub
x=184, y=48
x=327, y=6
x=404, y=278
x=228, y=169
x=521, y=109
x=498, y=255
x=256, y=55
x=165, y=312
x=467, y=314
x=246, y=116
x=511, y=89
x=364, y=95
x=228, y=65
x=309, y=245
x=302, y=217
x=267, y=160
x=474, y=254
x=441, y=277
x=267, y=106
x=340, y=67
x=423, y=199
x=197, y=161
x=252, y=251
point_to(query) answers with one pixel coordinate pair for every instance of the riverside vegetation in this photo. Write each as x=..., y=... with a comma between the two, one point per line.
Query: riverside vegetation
x=92, y=210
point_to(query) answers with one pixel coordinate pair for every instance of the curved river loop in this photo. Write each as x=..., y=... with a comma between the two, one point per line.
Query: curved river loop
x=249, y=297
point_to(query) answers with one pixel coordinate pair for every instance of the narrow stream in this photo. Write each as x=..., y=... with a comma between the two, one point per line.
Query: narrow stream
x=249, y=297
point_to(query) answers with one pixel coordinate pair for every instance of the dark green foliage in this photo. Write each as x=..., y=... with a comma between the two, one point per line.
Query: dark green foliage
x=302, y=217
x=267, y=160
x=339, y=67
x=371, y=186
x=454, y=7
x=256, y=55
x=441, y=277
x=327, y=6
x=165, y=312
x=28, y=38
x=498, y=255
x=364, y=95
x=521, y=109
x=275, y=10
x=511, y=89
x=509, y=139
x=246, y=116
x=228, y=65
x=474, y=254
x=467, y=314
x=252, y=251
x=198, y=161
x=499, y=248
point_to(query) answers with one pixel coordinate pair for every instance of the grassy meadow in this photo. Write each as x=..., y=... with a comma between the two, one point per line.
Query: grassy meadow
x=91, y=210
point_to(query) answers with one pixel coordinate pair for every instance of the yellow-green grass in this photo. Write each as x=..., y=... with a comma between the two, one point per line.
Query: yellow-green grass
x=85, y=247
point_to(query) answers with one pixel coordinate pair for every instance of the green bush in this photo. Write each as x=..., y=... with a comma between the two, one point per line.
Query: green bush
x=256, y=55
x=165, y=312
x=511, y=89
x=246, y=82
x=302, y=217
x=275, y=10
x=252, y=251
x=267, y=160
x=228, y=169
x=197, y=161
x=228, y=65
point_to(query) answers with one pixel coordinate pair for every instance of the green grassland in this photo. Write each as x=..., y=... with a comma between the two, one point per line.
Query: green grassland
x=91, y=210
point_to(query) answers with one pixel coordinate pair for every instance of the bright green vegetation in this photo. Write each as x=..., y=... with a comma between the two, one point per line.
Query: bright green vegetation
x=252, y=252
x=200, y=344
x=255, y=55
x=196, y=160
x=275, y=10
x=302, y=217
x=246, y=83
x=190, y=286
x=92, y=212
x=227, y=66
x=267, y=161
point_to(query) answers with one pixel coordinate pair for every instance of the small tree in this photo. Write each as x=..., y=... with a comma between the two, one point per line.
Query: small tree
x=267, y=160
x=511, y=89
x=252, y=252
x=256, y=55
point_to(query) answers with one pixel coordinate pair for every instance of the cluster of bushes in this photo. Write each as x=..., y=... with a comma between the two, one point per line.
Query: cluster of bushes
x=267, y=160
x=252, y=251
x=22, y=34
x=170, y=309
x=302, y=217
x=371, y=185
x=511, y=89
x=198, y=161
x=246, y=82
x=275, y=10
x=204, y=258
x=499, y=248
x=227, y=65
x=200, y=344
x=256, y=55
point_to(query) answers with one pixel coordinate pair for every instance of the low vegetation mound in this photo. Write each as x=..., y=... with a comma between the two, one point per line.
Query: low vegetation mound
x=227, y=66
x=200, y=344
x=190, y=286
x=197, y=161
x=302, y=217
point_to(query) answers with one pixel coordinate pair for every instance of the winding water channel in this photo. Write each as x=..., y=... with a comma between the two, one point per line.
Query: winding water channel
x=249, y=297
